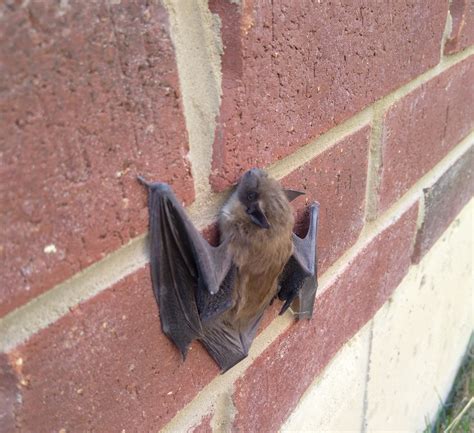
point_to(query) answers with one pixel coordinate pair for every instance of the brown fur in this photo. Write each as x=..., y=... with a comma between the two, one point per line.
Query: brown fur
x=259, y=254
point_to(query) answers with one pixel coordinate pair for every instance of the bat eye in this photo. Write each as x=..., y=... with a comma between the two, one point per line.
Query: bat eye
x=251, y=196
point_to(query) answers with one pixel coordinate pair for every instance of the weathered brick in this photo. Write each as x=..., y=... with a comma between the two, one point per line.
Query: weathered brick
x=89, y=97
x=420, y=129
x=292, y=70
x=443, y=201
x=462, y=32
x=337, y=180
x=271, y=387
x=9, y=395
x=107, y=366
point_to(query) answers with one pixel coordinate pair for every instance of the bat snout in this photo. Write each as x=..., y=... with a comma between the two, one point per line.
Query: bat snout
x=255, y=173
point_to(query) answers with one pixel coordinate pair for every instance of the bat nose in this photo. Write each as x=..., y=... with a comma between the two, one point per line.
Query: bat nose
x=254, y=173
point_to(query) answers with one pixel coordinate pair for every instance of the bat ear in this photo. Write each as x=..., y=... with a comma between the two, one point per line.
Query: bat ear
x=292, y=194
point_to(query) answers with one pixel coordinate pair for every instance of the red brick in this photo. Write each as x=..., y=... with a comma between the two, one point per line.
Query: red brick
x=462, y=32
x=420, y=129
x=204, y=425
x=271, y=387
x=443, y=201
x=293, y=70
x=9, y=395
x=337, y=180
x=89, y=97
x=107, y=366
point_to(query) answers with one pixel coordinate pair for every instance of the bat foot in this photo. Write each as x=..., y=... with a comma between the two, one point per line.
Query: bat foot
x=302, y=315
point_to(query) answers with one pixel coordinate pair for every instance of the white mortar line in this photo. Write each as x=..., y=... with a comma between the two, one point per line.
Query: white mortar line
x=365, y=406
x=224, y=413
x=195, y=33
x=448, y=28
x=421, y=212
x=374, y=162
x=18, y=325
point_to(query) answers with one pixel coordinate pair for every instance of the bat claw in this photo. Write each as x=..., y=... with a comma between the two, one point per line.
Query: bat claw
x=160, y=186
x=144, y=182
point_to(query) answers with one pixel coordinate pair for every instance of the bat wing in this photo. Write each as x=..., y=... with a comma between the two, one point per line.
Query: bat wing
x=227, y=343
x=298, y=282
x=192, y=281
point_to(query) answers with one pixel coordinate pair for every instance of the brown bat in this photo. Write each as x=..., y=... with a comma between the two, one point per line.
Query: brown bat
x=257, y=223
x=218, y=294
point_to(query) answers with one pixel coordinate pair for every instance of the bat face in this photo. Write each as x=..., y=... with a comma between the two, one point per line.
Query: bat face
x=249, y=195
x=258, y=203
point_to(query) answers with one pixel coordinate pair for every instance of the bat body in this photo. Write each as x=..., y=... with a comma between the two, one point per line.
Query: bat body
x=260, y=246
x=218, y=294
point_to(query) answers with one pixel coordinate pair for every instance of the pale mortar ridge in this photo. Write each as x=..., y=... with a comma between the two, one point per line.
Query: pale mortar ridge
x=225, y=413
x=448, y=28
x=195, y=33
x=374, y=165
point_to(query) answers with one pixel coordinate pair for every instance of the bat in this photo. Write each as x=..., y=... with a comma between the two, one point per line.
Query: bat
x=218, y=295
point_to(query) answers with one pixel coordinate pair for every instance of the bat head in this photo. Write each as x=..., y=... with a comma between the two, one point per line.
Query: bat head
x=257, y=207
x=250, y=192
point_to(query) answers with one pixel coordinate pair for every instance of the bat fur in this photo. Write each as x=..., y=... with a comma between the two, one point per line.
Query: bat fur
x=259, y=252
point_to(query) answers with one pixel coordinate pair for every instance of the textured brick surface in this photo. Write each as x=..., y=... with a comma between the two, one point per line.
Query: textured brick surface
x=337, y=180
x=107, y=366
x=462, y=33
x=292, y=70
x=88, y=98
x=279, y=376
x=443, y=201
x=420, y=129
x=9, y=396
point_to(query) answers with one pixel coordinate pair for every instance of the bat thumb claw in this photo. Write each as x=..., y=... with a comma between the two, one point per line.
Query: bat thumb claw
x=144, y=182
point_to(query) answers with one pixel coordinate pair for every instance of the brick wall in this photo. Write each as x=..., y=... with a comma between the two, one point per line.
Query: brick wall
x=368, y=108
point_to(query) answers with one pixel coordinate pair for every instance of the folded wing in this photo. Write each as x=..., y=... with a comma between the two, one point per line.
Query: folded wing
x=187, y=273
x=298, y=282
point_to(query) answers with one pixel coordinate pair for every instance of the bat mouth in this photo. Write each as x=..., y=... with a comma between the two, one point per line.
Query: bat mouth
x=258, y=218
